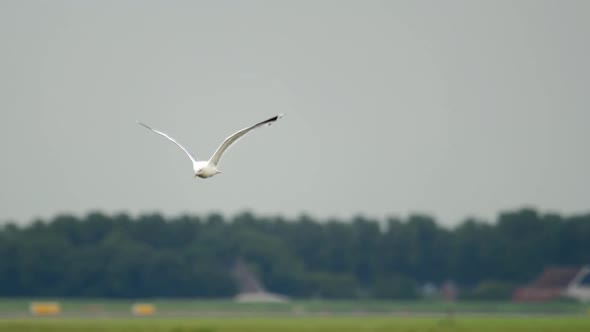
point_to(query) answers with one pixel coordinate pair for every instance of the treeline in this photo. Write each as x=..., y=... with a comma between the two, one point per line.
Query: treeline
x=191, y=256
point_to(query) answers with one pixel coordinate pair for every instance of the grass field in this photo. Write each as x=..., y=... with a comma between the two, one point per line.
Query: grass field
x=308, y=316
x=307, y=324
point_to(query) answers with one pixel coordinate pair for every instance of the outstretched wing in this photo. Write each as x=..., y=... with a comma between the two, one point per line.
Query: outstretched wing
x=193, y=158
x=236, y=136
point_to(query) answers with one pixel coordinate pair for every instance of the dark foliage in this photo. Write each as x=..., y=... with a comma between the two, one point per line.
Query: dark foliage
x=151, y=256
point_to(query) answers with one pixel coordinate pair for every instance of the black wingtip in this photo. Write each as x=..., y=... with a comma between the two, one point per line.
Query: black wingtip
x=273, y=119
x=143, y=124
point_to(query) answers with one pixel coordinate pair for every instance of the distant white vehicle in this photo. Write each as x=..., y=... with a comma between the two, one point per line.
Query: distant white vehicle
x=579, y=287
x=207, y=169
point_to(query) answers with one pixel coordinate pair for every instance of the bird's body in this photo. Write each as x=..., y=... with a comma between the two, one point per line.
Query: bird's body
x=204, y=169
x=207, y=169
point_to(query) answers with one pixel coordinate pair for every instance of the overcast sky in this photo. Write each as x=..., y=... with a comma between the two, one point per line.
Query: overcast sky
x=451, y=108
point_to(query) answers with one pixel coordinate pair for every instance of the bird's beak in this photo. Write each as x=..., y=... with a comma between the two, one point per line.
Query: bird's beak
x=195, y=175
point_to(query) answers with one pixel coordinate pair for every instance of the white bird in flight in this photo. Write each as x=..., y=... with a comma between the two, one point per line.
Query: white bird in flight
x=206, y=169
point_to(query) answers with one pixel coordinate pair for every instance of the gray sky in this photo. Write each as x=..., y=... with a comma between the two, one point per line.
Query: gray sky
x=452, y=108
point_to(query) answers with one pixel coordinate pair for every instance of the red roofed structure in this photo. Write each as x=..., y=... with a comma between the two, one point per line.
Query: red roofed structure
x=556, y=282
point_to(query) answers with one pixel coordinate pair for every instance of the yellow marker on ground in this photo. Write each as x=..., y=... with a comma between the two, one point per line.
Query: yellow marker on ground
x=45, y=308
x=143, y=309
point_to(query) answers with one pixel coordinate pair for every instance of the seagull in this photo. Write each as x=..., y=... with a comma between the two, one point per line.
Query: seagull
x=207, y=169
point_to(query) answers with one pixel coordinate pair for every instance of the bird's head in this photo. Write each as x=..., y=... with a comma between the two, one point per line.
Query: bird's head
x=199, y=173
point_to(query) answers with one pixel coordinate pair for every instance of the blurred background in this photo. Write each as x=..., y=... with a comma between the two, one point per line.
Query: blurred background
x=433, y=156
